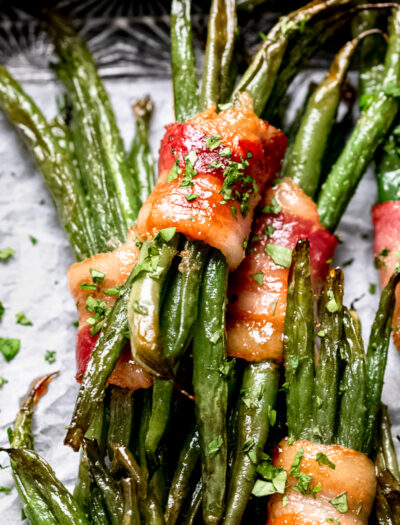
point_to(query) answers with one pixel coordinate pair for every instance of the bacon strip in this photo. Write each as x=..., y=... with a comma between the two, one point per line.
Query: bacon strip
x=353, y=473
x=221, y=224
x=116, y=265
x=386, y=220
x=256, y=314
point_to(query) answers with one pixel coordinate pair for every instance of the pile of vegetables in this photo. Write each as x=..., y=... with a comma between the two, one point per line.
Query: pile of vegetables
x=193, y=290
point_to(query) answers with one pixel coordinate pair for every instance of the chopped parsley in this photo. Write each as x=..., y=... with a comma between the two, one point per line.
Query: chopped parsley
x=88, y=286
x=378, y=262
x=281, y=255
x=167, y=234
x=259, y=278
x=333, y=520
x=50, y=356
x=113, y=291
x=6, y=253
x=226, y=152
x=322, y=459
x=233, y=210
x=75, y=323
x=9, y=348
x=321, y=333
x=33, y=239
x=284, y=501
x=332, y=305
x=2, y=310
x=372, y=288
x=303, y=479
x=271, y=413
x=223, y=107
x=249, y=155
x=213, y=142
x=273, y=306
x=272, y=208
x=225, y=370
x=215, y=165
x=7, y=490
x=215, y=445
x=245, y=243
x=100, y=311
x=340, y=503
x=174, y=172
x=269, y=230
x=191, y=197
x=97, y=276
x=274, y=479
x=3, y=381
x=23, y=320
x=190, y=172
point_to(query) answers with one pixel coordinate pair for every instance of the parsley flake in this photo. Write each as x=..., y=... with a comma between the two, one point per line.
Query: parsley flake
x=333, y=520
x=190, y=172
x=23, y=320
x=269, y=230
x=273, y=208
x=215, y=445
x=6, y=253
x=9, y=348
x=226, y=152
x=174, y=172
x=284, y=501
x=2, y=310
x=97, y=276
x=340, y=503
x=87, y=286
x=7, y=490
x=322, y=459
x=321, y=333
x=372, y=288
x=191, y=197
x=50, y=356
x=140, y=308
x=3, y=381
x=113, y=291
x=213, y=142
x=167, y=234
x=259, y=278
x=281, y=255
x=33, y=239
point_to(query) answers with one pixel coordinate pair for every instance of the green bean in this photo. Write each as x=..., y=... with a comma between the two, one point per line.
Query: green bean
x=144, y=305
x=304, y=164
x=160, y=415
x=131, y=508
x=189, y=516
x=180, y=485
x=299, y=346
x=222, y=27
x=180, y=307
x=185, y=84
x=83, y=492
x=98, y=511
x=140, y=157
x=210, y=391
x=327, y=370
x=149, y=506
x=22, y=436
x=387, y=445
x=377, y=356
x=369, y=132
x=382, y=510
x=255, y=408
x=55, y=165
x=260, y=77
x=352, y=410
x=387, y=168
x=100, y=366
x=99, y=146
x=109, y=487
x=44, y=497
x=121, y=415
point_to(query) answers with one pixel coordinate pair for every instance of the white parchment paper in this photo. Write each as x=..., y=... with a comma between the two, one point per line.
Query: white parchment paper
x=34, y=281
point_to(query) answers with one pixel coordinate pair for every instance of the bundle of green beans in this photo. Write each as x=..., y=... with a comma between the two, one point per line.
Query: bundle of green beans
x=317, y=409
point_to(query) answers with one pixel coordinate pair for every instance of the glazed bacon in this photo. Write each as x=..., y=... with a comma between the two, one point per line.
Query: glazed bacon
x=212, y=172
x=258, y=288
x=116, y=265
x=353, y=474
x=386, y=220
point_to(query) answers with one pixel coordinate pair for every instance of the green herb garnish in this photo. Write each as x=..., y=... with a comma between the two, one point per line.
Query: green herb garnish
x=50, y=356
x=281, y=255
x=9, y=348
x=23, y=320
